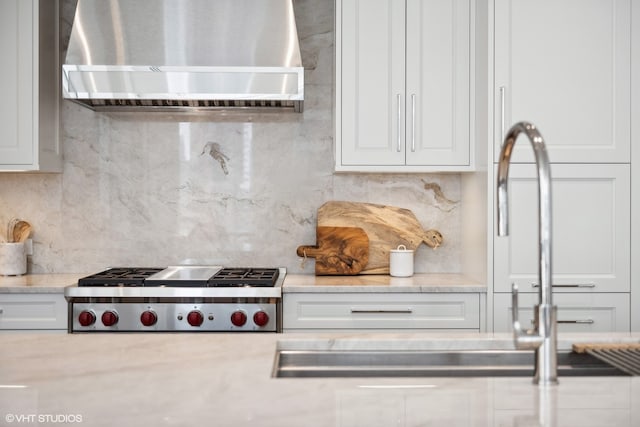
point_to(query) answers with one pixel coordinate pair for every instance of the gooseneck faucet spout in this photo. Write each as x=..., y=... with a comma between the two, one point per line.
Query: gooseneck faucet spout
x=543, y=336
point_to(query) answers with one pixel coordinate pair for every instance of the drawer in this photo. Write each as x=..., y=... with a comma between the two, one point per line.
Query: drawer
x=605, y=312
x=381, y=311
x=33, y=311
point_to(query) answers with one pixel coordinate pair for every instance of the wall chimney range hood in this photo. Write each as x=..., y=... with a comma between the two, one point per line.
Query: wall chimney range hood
x=184, y=55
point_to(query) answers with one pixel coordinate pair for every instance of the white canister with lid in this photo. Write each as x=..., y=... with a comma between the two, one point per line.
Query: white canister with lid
x=13, y=259
x=401, y=262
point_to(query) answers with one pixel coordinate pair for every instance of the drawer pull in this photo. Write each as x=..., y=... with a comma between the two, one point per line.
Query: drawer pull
x=380, y=311
x=568, y=285
x=574, y=322
x=580, y=321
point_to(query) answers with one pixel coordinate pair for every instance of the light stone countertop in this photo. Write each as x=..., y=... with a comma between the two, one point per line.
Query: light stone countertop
x=225, y=379
x=38, y=283
x=421, y=282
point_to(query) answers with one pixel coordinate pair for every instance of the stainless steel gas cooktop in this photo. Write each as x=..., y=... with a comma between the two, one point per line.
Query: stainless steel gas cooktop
x=177, y=298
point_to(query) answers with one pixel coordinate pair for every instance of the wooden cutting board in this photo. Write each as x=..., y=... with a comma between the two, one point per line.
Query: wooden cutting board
x=338, y=250
x=386, y=226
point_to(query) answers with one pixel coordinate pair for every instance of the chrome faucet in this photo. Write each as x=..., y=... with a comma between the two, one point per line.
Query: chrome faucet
x=544, y=335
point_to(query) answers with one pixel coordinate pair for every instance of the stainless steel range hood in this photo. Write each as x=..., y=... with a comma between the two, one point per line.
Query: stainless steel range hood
x=167, y=55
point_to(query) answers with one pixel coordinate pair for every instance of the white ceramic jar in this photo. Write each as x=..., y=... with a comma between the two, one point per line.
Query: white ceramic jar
x=401, y=262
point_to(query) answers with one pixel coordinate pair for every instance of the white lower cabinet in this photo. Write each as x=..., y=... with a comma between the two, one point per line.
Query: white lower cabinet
x=33, y=311
x=576, y=312
x=591, y=246
x=381, y=311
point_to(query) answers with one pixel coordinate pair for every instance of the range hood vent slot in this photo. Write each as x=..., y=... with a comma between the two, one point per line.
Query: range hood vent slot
x=168, y=105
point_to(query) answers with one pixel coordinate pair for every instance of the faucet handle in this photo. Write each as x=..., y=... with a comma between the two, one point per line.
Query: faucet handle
x=523, y=339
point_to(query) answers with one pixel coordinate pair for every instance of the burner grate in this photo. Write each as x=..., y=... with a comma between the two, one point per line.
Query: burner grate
x=119, y=276
x=245, y=277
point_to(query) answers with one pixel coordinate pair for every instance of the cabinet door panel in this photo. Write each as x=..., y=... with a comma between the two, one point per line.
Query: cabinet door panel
x=591, y=228
x=372, y=82
x=438, y=96
x=16, y=82
x=576, y=312
x=29, y=83
x=568, y=75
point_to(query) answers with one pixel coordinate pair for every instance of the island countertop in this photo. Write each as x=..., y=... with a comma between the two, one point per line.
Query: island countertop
x=226, y=379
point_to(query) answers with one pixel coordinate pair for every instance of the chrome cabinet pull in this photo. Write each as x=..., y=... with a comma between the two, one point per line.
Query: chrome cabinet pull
x=413, y=122
x=380, y=311
x=576, y=321
x=568, y=285
x=399, y=125
x=502, y=90
x=580, y=321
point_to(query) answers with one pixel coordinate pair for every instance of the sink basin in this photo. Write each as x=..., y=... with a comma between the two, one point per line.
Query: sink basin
x=422, y=363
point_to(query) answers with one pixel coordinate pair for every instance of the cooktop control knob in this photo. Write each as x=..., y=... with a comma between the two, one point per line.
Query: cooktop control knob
x=109, y=318
x=195, y=318
x=260, y=318
x=148, y=318
x=238, y=318
x=86, y=318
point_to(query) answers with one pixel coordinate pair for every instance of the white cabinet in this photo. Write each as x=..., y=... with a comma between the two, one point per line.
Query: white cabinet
x=33, y=311
x=403, y=85
x=565, y=66
x=381, y=311
x=591, y=225
x=596, y=312
x=29, y=83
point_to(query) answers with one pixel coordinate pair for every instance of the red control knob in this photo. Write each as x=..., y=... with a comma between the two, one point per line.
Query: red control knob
x=109, y=318
x=261, y=318
x=87, y=318
x=148, y=318
x=238, y=318
x=195, y=318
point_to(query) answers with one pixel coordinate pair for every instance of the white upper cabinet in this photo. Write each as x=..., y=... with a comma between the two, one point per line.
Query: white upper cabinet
x=565, y=67
x=403, y=85
x=29, y=83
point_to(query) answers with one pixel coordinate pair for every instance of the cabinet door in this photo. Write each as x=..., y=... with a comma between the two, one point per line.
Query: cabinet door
x=16, y=82
x=567, y=72
x=438, y=91
x=370, y=87
x=590, y=231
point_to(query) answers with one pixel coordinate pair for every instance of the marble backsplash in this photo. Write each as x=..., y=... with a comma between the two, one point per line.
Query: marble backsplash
x=236, y=189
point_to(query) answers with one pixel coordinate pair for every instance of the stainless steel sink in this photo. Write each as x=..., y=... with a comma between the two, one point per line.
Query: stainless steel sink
x=463, y=363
